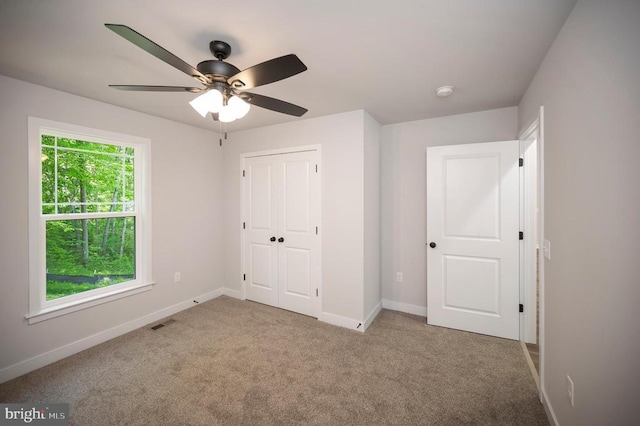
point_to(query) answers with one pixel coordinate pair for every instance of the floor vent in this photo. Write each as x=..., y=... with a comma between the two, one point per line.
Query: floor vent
x=162, y=324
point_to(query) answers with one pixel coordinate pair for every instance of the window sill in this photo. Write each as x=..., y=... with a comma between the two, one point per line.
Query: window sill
x=78, y=305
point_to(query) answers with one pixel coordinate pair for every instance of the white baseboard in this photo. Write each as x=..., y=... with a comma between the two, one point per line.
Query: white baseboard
x=236, y=294
x=202, y=298
x=372, y=315
x=532, y=367
x=39, y=361
x=345, y=322
x=404, y=307
x=551, y=415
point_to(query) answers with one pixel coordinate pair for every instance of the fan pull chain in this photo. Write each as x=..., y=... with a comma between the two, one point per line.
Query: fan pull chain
x=220, y=131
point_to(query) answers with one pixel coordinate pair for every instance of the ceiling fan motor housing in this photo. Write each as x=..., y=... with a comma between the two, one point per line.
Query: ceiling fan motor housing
x=217, y=69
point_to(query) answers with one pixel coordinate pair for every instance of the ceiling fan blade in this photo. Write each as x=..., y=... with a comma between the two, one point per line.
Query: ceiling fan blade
x=158, y=51
x=267, y=72
x=273, y=104
x=135, y=88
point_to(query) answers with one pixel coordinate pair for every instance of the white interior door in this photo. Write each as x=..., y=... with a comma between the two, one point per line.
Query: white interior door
x=298, y=263
x=281, y=242
x=261, y=229
x=473, y=237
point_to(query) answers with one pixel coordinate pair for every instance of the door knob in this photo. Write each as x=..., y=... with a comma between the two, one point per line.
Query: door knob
x=281, y=240
x=272, y=239
x=432, y=244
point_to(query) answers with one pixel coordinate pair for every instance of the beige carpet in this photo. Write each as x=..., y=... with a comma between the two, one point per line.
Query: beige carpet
x=234, y=362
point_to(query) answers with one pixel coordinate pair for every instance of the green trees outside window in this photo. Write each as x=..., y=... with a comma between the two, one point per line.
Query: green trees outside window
x=88, y=198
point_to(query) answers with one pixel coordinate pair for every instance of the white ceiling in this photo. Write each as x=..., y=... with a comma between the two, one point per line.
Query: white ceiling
x=386, y=57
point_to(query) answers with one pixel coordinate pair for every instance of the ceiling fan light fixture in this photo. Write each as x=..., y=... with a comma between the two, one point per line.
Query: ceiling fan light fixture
x=226, y=114
x=238, y=106
x=211, y=101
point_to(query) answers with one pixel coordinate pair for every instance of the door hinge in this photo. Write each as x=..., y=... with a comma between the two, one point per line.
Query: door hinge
x=243, y=225
x=521, y=235
x=316, y=292
x=316, y=168
x=244, y=277
x=521, y=162
x=243, y=173
x=316, y=230
x=521, y=307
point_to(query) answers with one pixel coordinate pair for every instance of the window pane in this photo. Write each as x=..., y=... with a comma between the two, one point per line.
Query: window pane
x=48, y=140
x=129, y=180
x=91, y=146
x=86, y=177
x=92, y=178
x=47, y=157
x=86, y=254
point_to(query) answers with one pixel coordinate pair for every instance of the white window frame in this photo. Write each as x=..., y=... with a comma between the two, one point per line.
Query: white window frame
x=41, y=309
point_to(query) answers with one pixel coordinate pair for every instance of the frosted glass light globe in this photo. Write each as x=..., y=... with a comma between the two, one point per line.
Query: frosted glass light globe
x=239, y=107
x=210, y=101
x=226, y=114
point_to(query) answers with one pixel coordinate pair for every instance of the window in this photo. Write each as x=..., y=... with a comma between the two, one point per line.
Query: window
x=89, y=218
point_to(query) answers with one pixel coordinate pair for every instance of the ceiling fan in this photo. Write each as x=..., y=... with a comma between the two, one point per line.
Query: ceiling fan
x=224, y=84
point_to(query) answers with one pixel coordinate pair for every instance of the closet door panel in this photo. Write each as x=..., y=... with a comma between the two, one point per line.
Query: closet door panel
x=260, y=253
x=298, y=201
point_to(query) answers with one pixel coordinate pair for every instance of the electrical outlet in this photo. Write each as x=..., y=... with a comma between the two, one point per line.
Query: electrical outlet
x=546, y=249
x=176, y=277
x=570, y=390
x=399, y=277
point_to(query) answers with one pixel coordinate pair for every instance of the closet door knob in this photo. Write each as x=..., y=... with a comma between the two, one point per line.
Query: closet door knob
x=272, y=239
x=432, y=244
x=281, y=240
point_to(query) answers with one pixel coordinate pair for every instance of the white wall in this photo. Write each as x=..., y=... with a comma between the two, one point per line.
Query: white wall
x=372, y=285
x=186, y=209
x=589, y=84
x=342, y=230
x=403, y=198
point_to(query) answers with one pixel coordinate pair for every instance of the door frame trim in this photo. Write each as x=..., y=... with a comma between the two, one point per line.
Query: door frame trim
x=273, y=152
x=528, y=220
x=537, y=124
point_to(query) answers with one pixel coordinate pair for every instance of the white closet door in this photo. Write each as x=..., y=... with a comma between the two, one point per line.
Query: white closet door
x=261, y=227
x=281, y=244
x=298, y=262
